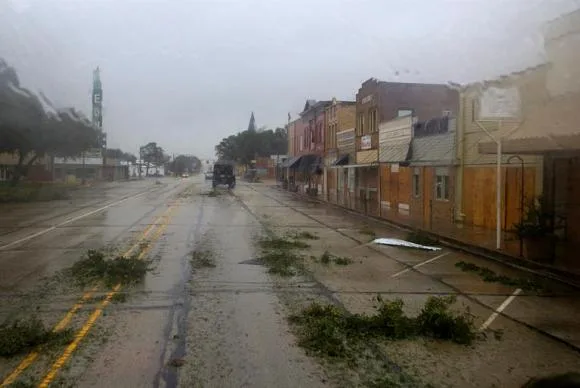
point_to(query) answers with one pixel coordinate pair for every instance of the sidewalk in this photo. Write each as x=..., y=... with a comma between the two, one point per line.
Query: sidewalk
x=536, y=335
x=474, y=240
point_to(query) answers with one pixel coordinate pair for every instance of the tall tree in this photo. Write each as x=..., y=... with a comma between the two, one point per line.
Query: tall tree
x=30, y=127
x=152, y=154
x=116, y=153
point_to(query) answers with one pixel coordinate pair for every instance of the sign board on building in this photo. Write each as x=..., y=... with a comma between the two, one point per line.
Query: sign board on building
x=499, y=103
x=368, y=98
x=345, y=139
x=366, y=142
x=367, y=157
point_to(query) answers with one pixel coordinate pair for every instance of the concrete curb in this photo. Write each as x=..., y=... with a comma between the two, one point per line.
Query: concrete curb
x=537, y=269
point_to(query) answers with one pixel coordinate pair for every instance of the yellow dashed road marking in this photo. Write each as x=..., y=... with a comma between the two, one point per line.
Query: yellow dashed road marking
x=160, y=221
x=59, y=363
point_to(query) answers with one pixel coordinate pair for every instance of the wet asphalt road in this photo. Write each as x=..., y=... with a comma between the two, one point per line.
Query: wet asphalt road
x=225, y=326
x=224, y=323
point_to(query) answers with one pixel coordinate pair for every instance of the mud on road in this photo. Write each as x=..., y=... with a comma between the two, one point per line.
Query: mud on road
x=214, y=310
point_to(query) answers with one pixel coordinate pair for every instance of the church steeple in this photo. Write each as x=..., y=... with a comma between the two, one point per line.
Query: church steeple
x=252, y=124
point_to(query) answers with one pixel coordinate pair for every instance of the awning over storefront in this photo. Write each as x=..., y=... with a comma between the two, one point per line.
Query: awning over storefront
x=341, y=161
x=554, y=126
x=367, y=165
x=291, y=162
x=429, y=150
x=395, y=153
x=395, y=140
x=309, y=163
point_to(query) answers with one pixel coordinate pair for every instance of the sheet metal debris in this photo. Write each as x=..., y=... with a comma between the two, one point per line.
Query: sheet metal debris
x=402, y=243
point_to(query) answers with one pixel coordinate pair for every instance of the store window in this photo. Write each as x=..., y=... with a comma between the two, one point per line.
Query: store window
x=416, y=182
x=442, y=184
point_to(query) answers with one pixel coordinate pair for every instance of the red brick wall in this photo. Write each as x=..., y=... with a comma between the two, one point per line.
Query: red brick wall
x=427, y=100
x=312, y=128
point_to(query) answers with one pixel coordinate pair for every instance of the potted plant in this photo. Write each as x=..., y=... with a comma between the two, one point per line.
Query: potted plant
x=537, y=232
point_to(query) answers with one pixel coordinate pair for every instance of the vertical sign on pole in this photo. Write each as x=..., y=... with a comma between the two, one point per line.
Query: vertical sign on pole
x=97, y=102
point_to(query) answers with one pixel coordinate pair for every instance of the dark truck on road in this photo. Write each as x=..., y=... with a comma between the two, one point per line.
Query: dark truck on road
x=224, y=174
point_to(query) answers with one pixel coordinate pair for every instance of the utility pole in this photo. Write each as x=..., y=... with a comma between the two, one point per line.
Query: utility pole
x=140, y=162
x=97, y=101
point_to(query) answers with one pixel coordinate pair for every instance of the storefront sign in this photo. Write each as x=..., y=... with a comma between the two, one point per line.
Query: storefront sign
x=368, y=98
x=366, y=142
x=499, y=103
x=345, y=140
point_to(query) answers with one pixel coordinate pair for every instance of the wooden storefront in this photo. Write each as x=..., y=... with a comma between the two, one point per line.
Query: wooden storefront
x=479, y=195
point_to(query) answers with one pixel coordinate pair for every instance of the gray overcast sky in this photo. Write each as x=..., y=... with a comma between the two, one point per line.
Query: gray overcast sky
x=186, y=73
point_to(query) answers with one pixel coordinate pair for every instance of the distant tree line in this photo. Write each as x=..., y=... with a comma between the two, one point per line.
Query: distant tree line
x=151, y=154
x=245, y=146
x=185, y=164
x=116, y=153
x=30, y=127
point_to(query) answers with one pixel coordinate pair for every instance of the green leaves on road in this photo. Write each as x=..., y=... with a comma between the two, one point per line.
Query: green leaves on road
x=19, y=336
x=97, y=268
x=491, y=277
x=202, y=258
x=279, y=254
x=327, y=258
x=281, y=243
x=328, y=331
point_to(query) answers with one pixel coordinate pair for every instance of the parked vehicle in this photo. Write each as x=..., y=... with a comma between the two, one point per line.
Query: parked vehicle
x=185, y=175
x=224, y=174
x=208, y=175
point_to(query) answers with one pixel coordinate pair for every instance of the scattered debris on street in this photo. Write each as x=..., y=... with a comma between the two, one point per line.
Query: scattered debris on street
x=402, y=243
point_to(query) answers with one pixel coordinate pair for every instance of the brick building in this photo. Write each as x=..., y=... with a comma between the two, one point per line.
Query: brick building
x=378, y=102
x=340, y=117
x=307, y=165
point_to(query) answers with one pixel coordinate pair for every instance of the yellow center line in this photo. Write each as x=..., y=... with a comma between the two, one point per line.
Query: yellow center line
x=78, y=338
x=33, y=355
x=80, y=335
